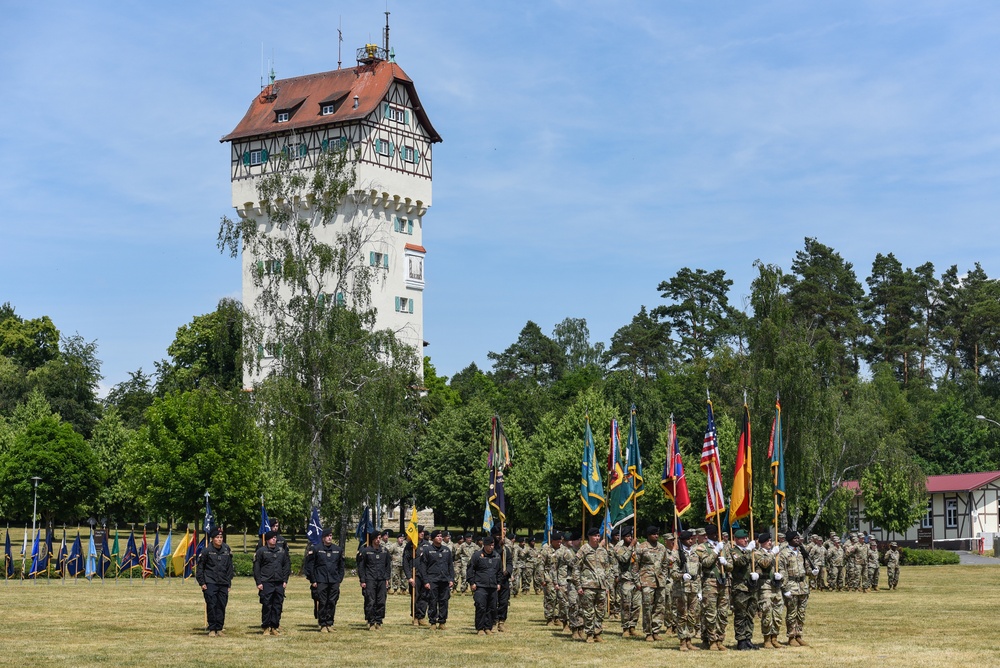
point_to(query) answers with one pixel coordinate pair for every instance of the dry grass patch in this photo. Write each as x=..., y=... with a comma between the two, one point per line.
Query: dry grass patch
x=941, y=616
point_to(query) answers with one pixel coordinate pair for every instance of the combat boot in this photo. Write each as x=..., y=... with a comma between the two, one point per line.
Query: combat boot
x=683, y=646
x=625, y=633
x=793, y=642
x=500, y=627
x=590, y=639
x=441, y=626
x=691, y=646
x=650, y=638
x=800, y=641
x=481, y=633
x=211, y=634
x=598, y=638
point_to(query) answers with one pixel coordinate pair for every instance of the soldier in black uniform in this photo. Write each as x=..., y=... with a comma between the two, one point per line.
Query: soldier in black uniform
x=374, y=571
x=437, y=573
x=483, y=576
x=271, y=570
x=506, y=572
x=215, y=575
x=417, y=588
x=324, y=568
x=282, y=543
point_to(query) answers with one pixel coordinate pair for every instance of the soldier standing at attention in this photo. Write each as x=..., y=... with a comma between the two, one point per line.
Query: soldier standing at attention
x=873, y=565
x=517, y=549
x=687, y=592
x=506, y=571
x=411, y=558
x=530, y=577
x=650, y=556
x=324, y=568
x=817, y=556
x=745, y=584
x=374, y=572
x=483, y=576
x=772, y=606
x=614, y=604
x=835, y=565
x=550, y=595
x=215, y=575
x=437, y=572
x=563, y=559
x=794, y=587
x=629, y=591
x=271, y=570
x=669, y=566
x=863, y=563
x=716, y=566
x=395, y=548
x=852, y=569
x=463, y=555
x=590, y=577
x=892, y=565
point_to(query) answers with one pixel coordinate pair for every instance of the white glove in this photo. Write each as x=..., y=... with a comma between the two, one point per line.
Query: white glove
x=788, y=594
x=699, y=596
x=778, y=576
x=815, y=571
x=687, y=577
x=775, y=550
x=722, y=560
x=751, y=545
x=718, y=548
x=755, y=576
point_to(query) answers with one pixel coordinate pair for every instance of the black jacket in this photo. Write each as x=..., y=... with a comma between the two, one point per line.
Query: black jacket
x=271, y=564
x=324, y=564
x=374, y=564
x=215, y=566
x=484, y=569
x=436, y=564
x=408, y=557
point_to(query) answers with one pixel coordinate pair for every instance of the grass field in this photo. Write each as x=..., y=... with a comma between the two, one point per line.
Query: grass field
x=942, y=615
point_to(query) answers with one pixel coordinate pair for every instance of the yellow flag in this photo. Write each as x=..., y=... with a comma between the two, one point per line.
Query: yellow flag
x=180, y=555
x=411, y=528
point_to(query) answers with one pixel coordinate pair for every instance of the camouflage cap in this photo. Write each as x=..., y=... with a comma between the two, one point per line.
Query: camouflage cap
x=781, y=536
x=698, y=532
x=893, y=544
x=668, y=536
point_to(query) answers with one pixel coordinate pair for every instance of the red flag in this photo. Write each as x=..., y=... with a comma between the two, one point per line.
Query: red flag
x=673, y=482
x=615, y=471
x=144, y=557
x=741, y=503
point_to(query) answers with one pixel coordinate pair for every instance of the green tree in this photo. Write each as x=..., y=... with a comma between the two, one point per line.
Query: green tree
x=68, y=467
x=69, y=382
x=112, y=442
x=895, y=494
x=573, y=336
x=207, y=352
x=30, y=343
x=643, y=346
x=131, y=398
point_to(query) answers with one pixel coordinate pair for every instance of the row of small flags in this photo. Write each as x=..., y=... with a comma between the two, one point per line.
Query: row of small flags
x=73, y=562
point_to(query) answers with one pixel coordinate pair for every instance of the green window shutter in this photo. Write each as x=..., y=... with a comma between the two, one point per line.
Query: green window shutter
x=260, y=267
x=246, y=158
x=340, y=299
x=416, y=157
x=320, y=299
x=386, y=110
x=406, y=116
x=260, y=350
x=397, y=304
x=409, y=227
x=263, y=155
x=303, y=149
x=371, y=258
x=277, y=266
x=325, y=144
x=385, y=260
x=392, y=149
x=410, y=302
x=343, y=142
x=395, y=224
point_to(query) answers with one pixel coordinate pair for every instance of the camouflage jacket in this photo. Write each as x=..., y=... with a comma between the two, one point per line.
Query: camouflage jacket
x=742, y=564
x=564, y=559
x=767, y=566
x=793, y=567
x=712, y=568
x=689, y=563
x=650, y=559
x=835, y=556
x=628, y=566
x=590, y=569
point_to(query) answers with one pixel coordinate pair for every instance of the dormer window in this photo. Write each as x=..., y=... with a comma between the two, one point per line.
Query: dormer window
x=283, y=116
x=328, y=109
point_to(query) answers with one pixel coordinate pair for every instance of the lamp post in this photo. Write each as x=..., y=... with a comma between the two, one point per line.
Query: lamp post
x=983, y=417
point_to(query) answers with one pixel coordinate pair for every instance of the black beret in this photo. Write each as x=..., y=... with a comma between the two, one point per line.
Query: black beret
x=420, y=527
x=651, y=529
x=763, y=536
x=468, y=535
x=627, y=532
x=327, y=532
x=593, y=531
x=712, y=531
x=217, y=531
x=436, y=533
x=268, y=535
x=556, y=535
x=791, y=535
x=685, y=534
x=487, y=540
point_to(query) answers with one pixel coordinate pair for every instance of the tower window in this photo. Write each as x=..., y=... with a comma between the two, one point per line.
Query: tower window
x=328, y=109
x=282, y=116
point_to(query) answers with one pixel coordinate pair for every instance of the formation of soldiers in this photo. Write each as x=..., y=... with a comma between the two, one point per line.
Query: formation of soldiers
x=685, y=585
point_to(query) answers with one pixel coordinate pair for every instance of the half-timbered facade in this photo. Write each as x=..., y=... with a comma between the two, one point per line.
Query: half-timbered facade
x=374, y=110
x=963, y=512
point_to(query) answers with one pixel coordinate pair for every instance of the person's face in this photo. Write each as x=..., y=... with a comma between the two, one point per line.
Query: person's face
x=328, y=540
x=593, y=540
x=742, y=542
x=400, y=539
x=688, y=542
x=468, y=540
x=669, y=544
x=437, y=540
x=556, y=544
x=272, y=541
x=653, y=538
x=488, y=548
x=217, y=541
x=796, y=542
x=766, y=544
x=701, y=538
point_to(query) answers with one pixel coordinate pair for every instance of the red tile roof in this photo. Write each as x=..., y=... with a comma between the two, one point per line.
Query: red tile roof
x=414, y=247
x=954, y=482
x=369, y=82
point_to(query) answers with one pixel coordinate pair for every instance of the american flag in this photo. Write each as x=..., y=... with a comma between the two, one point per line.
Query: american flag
x=713, y=470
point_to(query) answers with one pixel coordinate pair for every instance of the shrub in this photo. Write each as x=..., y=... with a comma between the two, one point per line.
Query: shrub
x=912, y=557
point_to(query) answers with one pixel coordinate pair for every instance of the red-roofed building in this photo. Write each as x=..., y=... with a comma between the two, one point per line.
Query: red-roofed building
x=962, y=510
x=373, y=109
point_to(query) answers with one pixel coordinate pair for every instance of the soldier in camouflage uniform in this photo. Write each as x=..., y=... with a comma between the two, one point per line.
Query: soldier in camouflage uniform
x=794, y=587
x=563, y=558
x=745, y=580
x=614, y=605
x=863, y=563
x=547, y=561
x=873, y=565
x=463, y=556
x=629, y=590
x=590, y=578
x=650, y=557
x=892, y=565
x=687, y=592
x=669, y=566
x=852, y=564
x=517, y=550
x=716, y=566
x=772, y=606
x=397, y=583
x=835, y=565
x=817, y=555
x=532, y=575
x=574, y=616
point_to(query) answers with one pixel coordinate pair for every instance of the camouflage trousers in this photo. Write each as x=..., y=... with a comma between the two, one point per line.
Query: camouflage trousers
x=818, y=581
x=873, y=574
x=714, y=609
x=592, y=602
x=687, y=612
x=669, y=614
x=614, y=606
x=795, y=617
x=537, y=579
x=630, y=601
x=744, y=611
x=573, y=613
x=852, y=577
x=464, y=566
x=772, y=611
x=515, y=579
x=460, y=584
x=551, y=603
x=835, y=577
x=892, y=573
x=652, y=610
x=398, y=581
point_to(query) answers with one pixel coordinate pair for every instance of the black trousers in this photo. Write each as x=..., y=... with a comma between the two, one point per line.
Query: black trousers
x=272, y=599
x=485, y=600
x=423, y=597
x=438, y=596
x=374, y=593
x=503, y=601
x=216, y=599
x=326, y=595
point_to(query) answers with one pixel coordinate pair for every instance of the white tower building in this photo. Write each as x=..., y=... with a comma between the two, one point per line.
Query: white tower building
x=374, y=108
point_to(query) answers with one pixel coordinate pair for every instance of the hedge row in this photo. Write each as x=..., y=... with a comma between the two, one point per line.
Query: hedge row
x=913, y=557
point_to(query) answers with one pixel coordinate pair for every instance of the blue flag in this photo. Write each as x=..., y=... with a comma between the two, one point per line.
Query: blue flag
x=162, y=554
x=209, y=519
x=106, y=560
x=265, y=521
x=315, y=531
x=606, y=526
x=130, y=559
x=91, y=557
x=8, y=557
x=487, y=517
x=591, y=487
x=365, y=527
x=36, y=561
x=74, y=565
x=548, y=519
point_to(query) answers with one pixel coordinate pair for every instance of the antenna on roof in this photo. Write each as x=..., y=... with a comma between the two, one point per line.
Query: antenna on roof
x=386, y=27
x=340, y=40
x=262, y=65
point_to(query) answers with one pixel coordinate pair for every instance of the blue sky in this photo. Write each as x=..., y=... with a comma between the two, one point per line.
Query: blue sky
x=591, y=149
